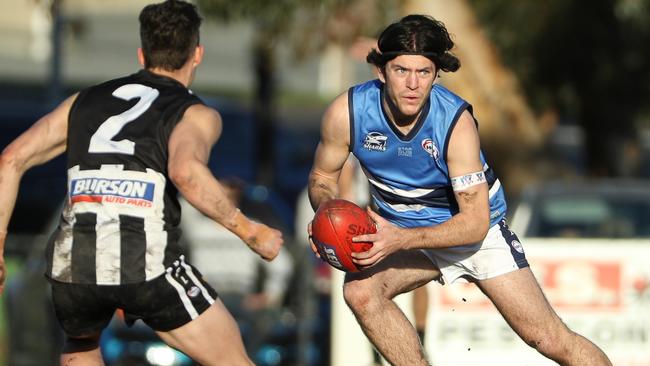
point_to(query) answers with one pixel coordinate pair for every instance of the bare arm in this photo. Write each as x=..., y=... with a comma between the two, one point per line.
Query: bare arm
x=42, y=142
x=331, y=153
x=472, y=222
x=469, y=225
x=189, y=151
x=346, y=183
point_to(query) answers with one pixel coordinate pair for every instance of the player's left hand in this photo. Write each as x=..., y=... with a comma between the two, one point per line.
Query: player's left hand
x=264, y=240
x=387, y=240
x=310, y=232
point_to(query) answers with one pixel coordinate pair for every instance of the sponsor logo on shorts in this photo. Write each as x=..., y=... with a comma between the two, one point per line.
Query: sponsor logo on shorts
x=517, y=245
x=375, y=141
x=120, y=191
x=193, y=291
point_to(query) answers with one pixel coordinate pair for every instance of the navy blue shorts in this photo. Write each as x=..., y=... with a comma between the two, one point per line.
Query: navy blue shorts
x=164, y=303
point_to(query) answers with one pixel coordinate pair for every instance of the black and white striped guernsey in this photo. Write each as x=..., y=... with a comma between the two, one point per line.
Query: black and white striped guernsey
x=120, y=220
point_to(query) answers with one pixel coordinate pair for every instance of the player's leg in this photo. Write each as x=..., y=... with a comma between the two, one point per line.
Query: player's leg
x=213, y=338
x=82, y=314
x=185, y=312
x=369, y=294
x=82, y=352
x=420, y=310
x=520, y=300
x=88, y=358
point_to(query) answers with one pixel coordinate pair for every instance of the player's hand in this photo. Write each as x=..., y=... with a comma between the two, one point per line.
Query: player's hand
x=265, y=241
x=387, y=240
x=310, y=232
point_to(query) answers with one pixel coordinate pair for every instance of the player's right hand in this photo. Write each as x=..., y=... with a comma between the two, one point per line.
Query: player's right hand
x=265, y=241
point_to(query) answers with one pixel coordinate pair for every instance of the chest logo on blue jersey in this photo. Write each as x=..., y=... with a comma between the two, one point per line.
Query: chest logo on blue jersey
x=375, y=141
x=122, y=191
x=431, y=148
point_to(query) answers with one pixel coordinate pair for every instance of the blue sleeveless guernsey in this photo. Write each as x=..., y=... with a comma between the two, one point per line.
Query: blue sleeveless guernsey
x=408, y=174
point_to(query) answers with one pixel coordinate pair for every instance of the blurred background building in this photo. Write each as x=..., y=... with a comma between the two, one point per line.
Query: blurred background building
x=560, y=90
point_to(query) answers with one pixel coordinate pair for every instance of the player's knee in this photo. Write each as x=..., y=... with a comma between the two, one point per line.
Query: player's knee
x=80, y=344
x=358, y=295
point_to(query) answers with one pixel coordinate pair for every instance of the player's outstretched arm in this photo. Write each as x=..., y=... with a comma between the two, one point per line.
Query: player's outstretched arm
x=42, y=142
x=189, y=151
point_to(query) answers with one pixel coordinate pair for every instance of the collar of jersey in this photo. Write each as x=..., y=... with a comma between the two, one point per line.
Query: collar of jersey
x=418, y=124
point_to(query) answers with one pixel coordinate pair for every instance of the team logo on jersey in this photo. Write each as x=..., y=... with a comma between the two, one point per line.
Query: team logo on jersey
x=375, y=141
x=430, y=148
x=121, y=191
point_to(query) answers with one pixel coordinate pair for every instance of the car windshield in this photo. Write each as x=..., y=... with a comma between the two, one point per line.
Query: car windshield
x=592, y=217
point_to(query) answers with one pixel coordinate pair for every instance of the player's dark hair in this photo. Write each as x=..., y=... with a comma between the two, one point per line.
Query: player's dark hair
x=169, y=33
x=415, y=35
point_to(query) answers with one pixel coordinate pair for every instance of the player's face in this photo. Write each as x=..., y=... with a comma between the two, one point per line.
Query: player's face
x=408, y=80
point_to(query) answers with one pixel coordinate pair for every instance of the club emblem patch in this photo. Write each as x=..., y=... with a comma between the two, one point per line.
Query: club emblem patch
x=431, y=148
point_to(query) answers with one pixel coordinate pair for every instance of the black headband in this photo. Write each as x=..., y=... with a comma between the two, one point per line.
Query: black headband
x=406, y=53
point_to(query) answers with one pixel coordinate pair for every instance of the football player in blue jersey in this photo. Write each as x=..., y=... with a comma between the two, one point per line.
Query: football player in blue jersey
x=132, y=144
x=438, y=205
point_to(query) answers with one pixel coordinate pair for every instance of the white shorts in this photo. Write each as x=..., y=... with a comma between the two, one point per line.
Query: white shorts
x=499, y=253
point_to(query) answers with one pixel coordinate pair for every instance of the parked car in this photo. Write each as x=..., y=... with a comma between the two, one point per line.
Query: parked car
x=584, y=209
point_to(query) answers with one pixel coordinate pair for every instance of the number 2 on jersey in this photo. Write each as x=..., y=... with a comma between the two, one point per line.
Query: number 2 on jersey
x=102, y=140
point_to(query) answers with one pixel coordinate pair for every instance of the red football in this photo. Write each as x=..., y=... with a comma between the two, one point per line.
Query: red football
x=336, y=222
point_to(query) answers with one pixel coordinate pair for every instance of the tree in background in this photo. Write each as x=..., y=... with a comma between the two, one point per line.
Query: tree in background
x=306, y=26
x=587, y=62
